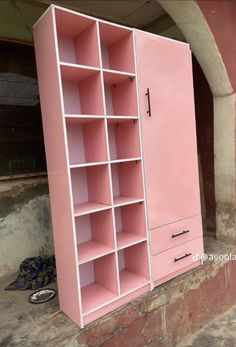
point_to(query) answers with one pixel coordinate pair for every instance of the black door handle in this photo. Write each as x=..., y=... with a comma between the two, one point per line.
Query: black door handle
x=149, y=103
x=184, y=256
x=182, y=233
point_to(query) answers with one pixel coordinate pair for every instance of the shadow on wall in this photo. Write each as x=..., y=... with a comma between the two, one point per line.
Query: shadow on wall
x=205, y=140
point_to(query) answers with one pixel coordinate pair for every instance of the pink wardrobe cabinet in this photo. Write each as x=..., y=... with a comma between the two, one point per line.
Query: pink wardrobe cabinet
x=164, y=70
x=118, y=119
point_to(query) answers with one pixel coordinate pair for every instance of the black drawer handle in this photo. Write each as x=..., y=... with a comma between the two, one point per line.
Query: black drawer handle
x=184, y=256
x=149, y=102
x=182, y=233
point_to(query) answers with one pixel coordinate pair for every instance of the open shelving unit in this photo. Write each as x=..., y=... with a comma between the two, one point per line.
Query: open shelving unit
x=94, y=162
x=133, y=272
x=127, y=183
x=130, y=224
x=86, y=140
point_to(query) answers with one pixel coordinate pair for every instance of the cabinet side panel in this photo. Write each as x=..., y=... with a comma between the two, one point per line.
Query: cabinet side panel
x=58, y=173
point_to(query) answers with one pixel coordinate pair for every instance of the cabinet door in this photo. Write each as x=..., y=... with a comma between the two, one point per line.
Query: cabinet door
x=169, y=135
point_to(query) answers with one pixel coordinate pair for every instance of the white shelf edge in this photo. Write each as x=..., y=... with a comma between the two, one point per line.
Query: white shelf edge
x=132, y=244
x=79, y=66
x=92, y=211
x=112, y=250
x=96, y=163
x=108, y=207
x=119, y=72
x=128, y=203
x=122, y=117
x=115, y=161
x=83, y=116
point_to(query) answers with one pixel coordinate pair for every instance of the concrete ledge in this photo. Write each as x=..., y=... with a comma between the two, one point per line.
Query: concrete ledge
x=159, y=318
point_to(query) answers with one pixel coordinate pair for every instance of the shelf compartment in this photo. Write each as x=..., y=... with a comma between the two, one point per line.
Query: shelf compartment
x=127, y=182
x=133, y=267
x=130, y=224
x=98, y=281
x=116, y=47
x=90, y=188
x=95, y=235
x=120, y=94
x=86, y=140
x=124, y=139
x=77, y=39
x=82, y=90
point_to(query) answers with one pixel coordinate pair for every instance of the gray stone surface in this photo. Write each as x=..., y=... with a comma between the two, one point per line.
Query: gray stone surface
x=25, y=325
x=221, y=332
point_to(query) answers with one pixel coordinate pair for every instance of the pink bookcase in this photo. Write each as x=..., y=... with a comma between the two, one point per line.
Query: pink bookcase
x=119, y=129
x=88, y=90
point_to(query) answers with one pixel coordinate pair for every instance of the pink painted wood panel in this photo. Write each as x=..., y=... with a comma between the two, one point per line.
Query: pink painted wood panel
x=133, y=267
x=127, y=180
x=71, y=24
x=61, y=207
x=95, y=235
x=176, y=259
x=174, y=234
x=82, y=48
x=177, y=273
x=82, y=91
x=121, y=97
x=86, y=140
x=75, y=73
x=124, y=139
x=130, y=224
x=99, y=282
x=91, y=184
x=89, y=317
x=117, y=47
x=169, y=135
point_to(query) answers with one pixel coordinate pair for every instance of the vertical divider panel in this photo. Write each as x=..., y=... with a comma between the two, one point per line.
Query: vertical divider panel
x=143, y=170
x=116, y=251
x=99, y=46
x=68, y=166
x=109, y=159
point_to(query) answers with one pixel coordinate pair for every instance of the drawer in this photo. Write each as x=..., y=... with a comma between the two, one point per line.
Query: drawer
x=175, y=234
x=176, y=259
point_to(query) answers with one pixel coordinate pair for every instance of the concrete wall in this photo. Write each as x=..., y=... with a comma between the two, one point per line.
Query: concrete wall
x=221, y=19
x=25, y=222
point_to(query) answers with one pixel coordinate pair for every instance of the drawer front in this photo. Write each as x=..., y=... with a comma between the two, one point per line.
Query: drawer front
x=175, y=234
x=175, y=259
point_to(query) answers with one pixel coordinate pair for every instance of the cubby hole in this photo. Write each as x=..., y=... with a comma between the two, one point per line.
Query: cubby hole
x=127, y=182
x=95, y=235
x=77, y=39
x=120, y=94
x=123, y=139
x=86, y=139
x=90, y=188
x=98, y=281
x=133, y=267
x=117, y=48
x=130, y=224
x=82, y=91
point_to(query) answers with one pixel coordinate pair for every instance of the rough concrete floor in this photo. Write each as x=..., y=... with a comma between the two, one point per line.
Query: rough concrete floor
x=221, y=332
x=25, y=325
